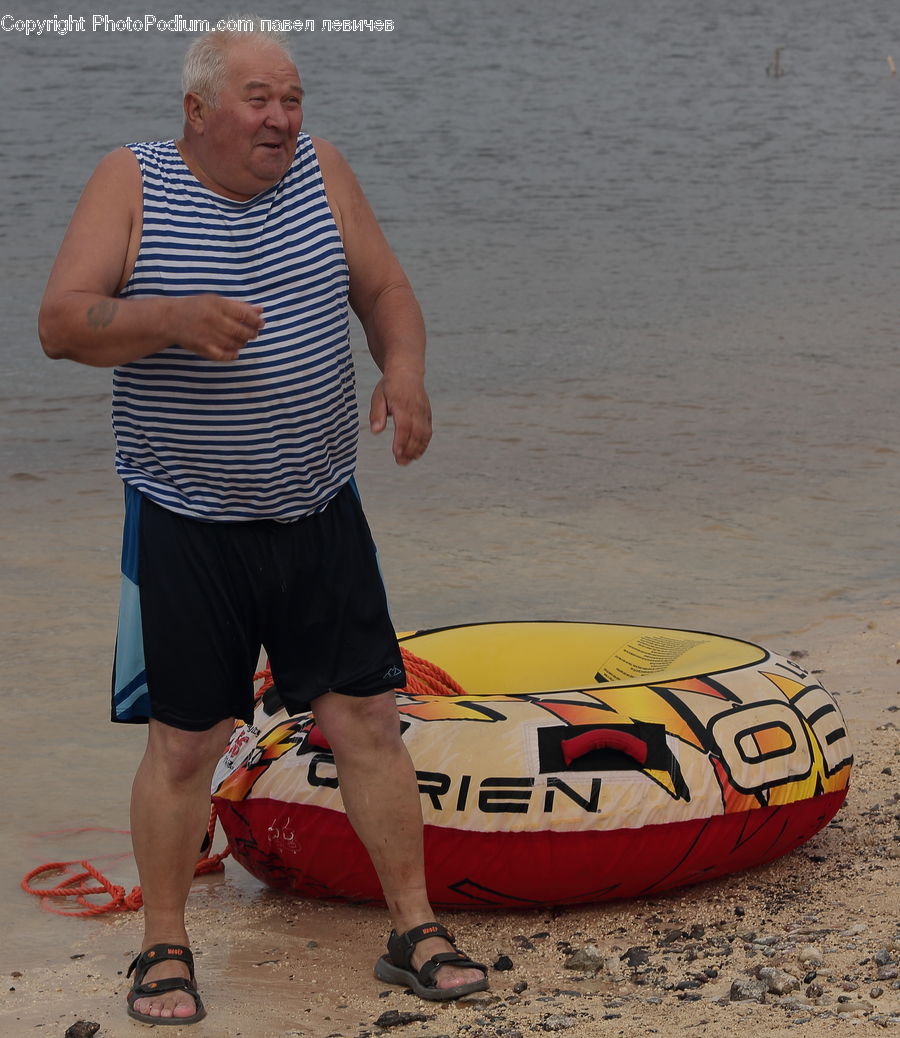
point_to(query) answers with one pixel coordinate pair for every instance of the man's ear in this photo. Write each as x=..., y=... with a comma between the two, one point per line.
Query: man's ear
x=195, y=109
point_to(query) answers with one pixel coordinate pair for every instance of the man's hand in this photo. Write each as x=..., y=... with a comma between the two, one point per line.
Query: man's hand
x=402, y=396
x=213, y=326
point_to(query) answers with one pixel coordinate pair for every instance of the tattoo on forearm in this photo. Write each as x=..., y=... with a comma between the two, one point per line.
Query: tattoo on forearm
x=100, y=314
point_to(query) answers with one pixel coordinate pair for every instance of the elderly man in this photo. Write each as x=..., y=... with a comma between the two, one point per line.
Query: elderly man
x=214, y=273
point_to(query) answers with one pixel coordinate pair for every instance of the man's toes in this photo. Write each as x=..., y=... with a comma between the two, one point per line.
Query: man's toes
x=146, y=1007
x=451, y=977
x=182, y=1005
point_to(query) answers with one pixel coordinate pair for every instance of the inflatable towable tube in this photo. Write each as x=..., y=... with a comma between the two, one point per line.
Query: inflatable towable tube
x=585, y=762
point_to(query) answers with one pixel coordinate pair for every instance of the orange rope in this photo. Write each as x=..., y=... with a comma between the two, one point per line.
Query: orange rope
x=265, y=676
x=119, y=901
x=423, y=679
x=74, y=886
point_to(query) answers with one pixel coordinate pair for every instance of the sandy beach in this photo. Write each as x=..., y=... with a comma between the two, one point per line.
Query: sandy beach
x=803, y=945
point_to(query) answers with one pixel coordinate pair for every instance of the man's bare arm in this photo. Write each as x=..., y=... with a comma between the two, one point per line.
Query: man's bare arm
x=80, y=317
x=383, y=299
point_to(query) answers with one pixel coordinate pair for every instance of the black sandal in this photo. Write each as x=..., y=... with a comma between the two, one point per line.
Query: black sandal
x=396, y=967
x=145, y=961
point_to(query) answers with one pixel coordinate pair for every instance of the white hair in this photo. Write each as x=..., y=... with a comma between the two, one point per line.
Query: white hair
x=205, y=65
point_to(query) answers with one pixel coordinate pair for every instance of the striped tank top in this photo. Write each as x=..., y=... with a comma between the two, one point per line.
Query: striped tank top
x=272, y=434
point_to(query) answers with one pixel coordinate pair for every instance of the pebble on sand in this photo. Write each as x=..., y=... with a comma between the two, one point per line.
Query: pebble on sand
x=82, y=1029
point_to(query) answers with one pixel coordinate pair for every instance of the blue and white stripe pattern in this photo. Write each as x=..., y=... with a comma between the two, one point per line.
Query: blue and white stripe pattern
x=274, y=433
x=131, y=696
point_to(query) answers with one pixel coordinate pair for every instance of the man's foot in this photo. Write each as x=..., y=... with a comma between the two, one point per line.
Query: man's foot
x=448, y=976
x=164, y=990
x=426, y=960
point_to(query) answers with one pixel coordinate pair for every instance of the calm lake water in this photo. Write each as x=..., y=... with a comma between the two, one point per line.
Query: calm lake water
x=660, y=288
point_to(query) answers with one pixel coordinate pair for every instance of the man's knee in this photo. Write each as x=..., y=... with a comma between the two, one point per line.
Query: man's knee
x=359, y=723
x=185, y=754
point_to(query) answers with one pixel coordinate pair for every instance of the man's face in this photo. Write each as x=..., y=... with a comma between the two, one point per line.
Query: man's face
x=249, y=138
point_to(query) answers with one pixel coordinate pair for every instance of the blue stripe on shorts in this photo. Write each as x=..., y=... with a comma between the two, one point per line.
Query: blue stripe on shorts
x=130, y=695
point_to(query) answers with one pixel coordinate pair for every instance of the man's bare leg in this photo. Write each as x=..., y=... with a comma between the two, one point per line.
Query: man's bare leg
x=170, y=802
x=381, y=797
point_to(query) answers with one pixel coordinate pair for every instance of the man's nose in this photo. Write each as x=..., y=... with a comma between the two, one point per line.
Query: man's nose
x=277, y=117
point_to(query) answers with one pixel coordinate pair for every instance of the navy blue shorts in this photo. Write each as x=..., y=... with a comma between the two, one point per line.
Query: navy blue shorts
x=200, y=599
